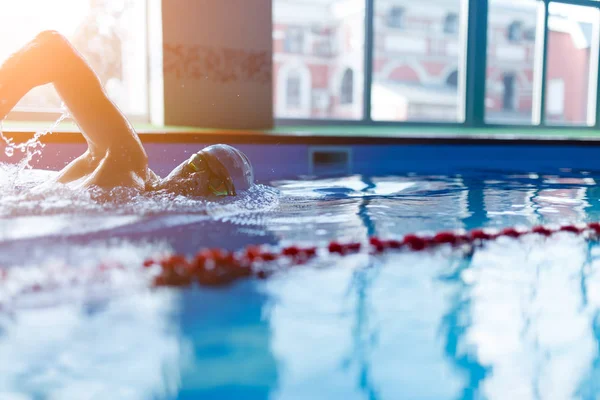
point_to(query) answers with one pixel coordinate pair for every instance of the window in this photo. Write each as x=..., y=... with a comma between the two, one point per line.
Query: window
x=419, y=59
x=294, y=40
x=572, y=47
x=322, y=42
x=508, y=97
x=511, y=59
x=451, y=24
x=515, y=31
x=415, y=74
x=293, y=90
x=347, y=92
x=111, y=35
x=395, y=17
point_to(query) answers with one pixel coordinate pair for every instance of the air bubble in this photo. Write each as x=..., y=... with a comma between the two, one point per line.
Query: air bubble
x=9, y=151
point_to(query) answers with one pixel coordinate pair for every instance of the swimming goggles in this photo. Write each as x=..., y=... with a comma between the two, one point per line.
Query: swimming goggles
x=217, y=185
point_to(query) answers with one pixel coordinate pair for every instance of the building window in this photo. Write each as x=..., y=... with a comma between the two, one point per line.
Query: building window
x=515, y=31
x=347, y=90
x=451, y=24
x=293, y=90
x=395, y=17
x=508, y=97
x=452, y=79
x=294, y=40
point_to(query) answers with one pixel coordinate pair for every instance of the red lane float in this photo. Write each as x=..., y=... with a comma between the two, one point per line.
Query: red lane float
x=226, y=267
x=215, y=267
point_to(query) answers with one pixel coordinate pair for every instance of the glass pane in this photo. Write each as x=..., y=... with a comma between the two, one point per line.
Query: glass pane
x=572, y=48
x=111, y=34
x=318, y=58
x=417, y=60
x=509, y=85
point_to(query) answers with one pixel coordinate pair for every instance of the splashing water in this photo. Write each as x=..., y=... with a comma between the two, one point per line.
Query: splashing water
x=32, y=147
x=26, y=193
x=23, y=194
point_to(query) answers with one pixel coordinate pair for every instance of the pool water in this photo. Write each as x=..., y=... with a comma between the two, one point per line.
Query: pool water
x=517, y=319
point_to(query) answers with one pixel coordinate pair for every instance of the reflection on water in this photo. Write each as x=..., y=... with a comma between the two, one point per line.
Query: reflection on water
x=126, y=348
x=539, y=339
x=515, y=320
x=229, y=344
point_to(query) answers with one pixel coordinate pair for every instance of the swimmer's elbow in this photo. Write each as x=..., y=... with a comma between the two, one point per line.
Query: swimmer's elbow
x=53, y=39
x=48, y=35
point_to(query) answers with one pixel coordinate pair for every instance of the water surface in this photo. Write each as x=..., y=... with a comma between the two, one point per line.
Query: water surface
x=518, y=319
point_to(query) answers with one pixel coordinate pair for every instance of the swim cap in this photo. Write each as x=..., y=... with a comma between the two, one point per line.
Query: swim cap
x=231, y=164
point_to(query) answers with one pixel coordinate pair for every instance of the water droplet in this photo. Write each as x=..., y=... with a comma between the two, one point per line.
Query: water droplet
x=9, y=151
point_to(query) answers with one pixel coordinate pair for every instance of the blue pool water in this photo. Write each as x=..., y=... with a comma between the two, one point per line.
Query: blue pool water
x=519, y=319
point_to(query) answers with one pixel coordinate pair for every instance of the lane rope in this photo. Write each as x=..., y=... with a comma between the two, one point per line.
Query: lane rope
x=215, y=267
x=218, y=267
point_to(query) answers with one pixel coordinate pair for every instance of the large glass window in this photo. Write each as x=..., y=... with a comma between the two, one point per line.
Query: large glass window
x=111, y=34
x=417, y=61
x=511, y=57
x=318, y=55
x=572, y=49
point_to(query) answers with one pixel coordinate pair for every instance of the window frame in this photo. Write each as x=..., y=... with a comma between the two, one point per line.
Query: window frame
x=473, y=33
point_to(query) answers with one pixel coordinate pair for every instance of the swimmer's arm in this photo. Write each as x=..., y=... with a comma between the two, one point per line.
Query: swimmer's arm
x=100, y=120
x=50, y=58
x=106, y=176
x=78, y=168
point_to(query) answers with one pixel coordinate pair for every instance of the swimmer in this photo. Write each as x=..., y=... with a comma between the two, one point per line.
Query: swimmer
x=115, y=155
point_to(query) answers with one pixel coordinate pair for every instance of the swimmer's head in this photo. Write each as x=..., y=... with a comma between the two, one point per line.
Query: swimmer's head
x=218, y=170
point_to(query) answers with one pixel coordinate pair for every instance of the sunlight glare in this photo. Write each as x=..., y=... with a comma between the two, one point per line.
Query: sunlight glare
x=23, y=19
